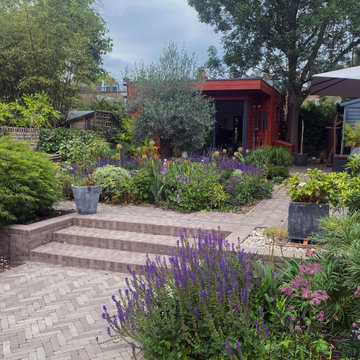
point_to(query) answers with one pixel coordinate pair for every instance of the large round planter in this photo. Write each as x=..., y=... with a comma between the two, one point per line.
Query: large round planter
x=339, y=163
x=86, y=198
x=300, y=159
x=304, y=218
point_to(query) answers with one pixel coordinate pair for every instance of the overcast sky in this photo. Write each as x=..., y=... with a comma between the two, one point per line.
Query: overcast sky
x=141, y=28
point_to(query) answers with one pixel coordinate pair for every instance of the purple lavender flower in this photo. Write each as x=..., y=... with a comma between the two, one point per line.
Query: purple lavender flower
x=228, y=348
x=238, y=347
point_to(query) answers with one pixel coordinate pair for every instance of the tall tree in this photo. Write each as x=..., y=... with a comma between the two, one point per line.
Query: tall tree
x=289, y=39
x=50, y=45
x=166, y=97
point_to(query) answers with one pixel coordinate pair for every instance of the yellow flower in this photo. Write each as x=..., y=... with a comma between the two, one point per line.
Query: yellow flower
x=151, y=143
x=119, y=146
x=236, y=153
x=224, y=151
x=240, y=149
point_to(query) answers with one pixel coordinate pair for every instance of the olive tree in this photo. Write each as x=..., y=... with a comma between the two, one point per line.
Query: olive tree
x=167, y=100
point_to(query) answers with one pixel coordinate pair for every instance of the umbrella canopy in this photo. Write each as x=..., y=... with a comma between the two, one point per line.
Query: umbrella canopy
x=344, y=82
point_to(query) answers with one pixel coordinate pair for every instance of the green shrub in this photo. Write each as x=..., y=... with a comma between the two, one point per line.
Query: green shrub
x=65, y=181
x=316, y=116
x=61, y=140
x=353, y=165
x=113, y=180
x=269, y=155
x=140, y=185
x=246, y=189
x=352, y=135
x=191, y=186
x=340, y=258
x=277, y=171
x=28, y=183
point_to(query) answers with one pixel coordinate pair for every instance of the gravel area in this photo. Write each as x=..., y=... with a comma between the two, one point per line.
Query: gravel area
x=257, y=240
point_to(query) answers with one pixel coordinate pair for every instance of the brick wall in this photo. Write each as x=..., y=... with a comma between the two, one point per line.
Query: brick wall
x=31, y=136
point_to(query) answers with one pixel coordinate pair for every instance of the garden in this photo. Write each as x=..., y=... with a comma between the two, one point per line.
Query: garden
x=210, y=299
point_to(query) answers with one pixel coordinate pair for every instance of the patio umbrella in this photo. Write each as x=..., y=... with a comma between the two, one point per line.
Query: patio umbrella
x=344, y=82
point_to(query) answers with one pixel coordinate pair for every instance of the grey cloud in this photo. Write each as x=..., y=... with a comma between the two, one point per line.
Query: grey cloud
x=141, y=28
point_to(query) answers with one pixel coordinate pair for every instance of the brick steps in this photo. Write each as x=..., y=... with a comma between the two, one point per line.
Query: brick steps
x=88, y=257
x=111, y=242
x=155, y=225
x=117, y=240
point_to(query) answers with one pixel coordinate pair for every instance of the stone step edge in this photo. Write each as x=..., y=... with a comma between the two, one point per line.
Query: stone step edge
x=118, y=223
x=48, y=254
x=141, y=243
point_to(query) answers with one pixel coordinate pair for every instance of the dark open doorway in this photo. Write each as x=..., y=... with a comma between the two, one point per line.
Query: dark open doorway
x=229, y=124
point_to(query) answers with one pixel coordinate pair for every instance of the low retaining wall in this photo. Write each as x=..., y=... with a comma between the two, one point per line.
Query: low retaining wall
x=31, y=136
x=24, y=238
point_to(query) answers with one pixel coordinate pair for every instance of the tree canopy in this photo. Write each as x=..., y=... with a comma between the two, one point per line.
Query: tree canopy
x=50, y=45
x=289, y=39
x=166, y=97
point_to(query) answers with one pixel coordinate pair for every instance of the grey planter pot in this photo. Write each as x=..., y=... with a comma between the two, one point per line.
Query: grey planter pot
x=86, y=199
x=303, y=219
x=339, y=163
x=355, y=150
x=300, y=159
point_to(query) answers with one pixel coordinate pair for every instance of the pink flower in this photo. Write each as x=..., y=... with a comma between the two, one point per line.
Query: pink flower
x=293, y=318
x=311, y=268
x=287, y=290
x=310, y=252
x=297, y=328
x=320, y=316
x=354, y=324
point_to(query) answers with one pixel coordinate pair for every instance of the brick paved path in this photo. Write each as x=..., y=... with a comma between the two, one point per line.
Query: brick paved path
x=52, y=312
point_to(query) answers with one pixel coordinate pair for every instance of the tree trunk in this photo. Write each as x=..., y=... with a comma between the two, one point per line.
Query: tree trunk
x=294, y=102
x=165, y=148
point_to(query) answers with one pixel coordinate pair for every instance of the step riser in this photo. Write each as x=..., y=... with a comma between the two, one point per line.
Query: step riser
x=138, y=227
x=83, y=262
x=116, y=244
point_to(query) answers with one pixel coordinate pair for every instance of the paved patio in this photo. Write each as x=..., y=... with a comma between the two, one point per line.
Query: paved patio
x=54, y=312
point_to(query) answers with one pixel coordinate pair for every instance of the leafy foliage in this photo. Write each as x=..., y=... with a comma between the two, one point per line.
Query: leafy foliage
x=113, y=180
x=352, y=135
x=28, y=183
x=316, y=187
x=245, y=189
x=193, y=186
x=61, y=141
x=277, y=171
x=316, y=117
x=50, y=45
x=353, y=165
x=36, y=111
x=85, y=158
x=168, y=103
x=340, y=238
x=269, y=155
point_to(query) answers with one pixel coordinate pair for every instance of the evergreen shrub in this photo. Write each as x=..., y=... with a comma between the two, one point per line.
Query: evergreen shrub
x=28, y=183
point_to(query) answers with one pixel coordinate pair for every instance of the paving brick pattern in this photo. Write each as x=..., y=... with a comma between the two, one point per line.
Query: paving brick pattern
x=53, y=312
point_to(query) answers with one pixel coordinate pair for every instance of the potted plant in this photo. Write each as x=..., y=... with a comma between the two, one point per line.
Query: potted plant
x=352, y=137
x=301, y=158
x=84, y=160
x=310, y=197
